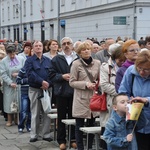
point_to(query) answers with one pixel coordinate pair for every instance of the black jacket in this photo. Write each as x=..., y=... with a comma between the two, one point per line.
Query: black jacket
x=60, y=67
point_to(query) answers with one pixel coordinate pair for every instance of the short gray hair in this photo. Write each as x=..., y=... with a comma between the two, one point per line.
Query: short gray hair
x=66, y=38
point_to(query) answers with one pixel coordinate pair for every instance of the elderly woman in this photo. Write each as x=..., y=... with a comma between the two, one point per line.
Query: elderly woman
x=83, y=90
x=130, y=49
x=9, y=67
x=2, y=55
x=136, y=83
x=107, y=80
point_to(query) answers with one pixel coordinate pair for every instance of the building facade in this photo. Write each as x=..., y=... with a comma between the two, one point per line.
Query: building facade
x=78, y=19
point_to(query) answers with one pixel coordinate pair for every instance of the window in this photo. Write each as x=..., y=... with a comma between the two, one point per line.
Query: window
x=119, y=20
x=62, y=2
x=24, y=8
x=31, y=7
x=3, y=14
x=43, y=6
x=8, y=13
x=14, y=11
x=51, y=5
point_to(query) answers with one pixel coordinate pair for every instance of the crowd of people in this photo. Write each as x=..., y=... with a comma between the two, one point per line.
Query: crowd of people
x=70, y=71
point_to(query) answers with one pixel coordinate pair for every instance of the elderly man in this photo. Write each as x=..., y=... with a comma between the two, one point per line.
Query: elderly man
x=60, y=74
x=37, y=68
x=103, y=55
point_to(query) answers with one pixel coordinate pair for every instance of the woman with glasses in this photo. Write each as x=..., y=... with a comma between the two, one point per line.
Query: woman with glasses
x=130, y=49
x=136, y=84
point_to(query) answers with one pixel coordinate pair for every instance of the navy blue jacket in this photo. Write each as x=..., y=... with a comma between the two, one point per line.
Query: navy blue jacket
x=37, y=70
x=23, y=80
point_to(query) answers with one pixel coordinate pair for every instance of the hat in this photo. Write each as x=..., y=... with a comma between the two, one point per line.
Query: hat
x=113, y=47
x=28, y=44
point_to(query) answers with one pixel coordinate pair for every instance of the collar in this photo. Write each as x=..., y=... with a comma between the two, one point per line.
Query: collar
x=63, y=53
x=36, y=58
x=106, y=53
x=118, y=118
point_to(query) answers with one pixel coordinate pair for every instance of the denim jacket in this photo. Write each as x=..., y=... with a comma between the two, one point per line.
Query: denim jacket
x=116, y=130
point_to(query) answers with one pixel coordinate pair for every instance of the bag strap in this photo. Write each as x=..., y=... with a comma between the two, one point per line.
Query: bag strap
x=88, y=74
x=132, y=85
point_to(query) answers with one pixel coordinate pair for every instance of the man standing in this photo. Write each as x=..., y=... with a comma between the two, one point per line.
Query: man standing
x=103, y=55
x=60, y=74
x=37, y=67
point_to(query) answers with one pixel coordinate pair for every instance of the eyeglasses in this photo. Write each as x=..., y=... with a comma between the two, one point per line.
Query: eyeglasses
x=134, y=50
x=66, y=43
x=144, y=70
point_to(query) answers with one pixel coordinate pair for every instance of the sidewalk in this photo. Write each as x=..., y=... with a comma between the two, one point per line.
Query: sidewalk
x=10, y=139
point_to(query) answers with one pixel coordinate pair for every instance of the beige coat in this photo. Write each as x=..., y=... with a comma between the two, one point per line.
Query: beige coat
x=108, y=88
x=82, y=95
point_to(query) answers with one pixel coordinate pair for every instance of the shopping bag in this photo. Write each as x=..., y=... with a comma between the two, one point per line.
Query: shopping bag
x=46, y=101
x=14, y=106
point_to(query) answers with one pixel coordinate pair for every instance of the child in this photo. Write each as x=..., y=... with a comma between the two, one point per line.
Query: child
x=118, y=132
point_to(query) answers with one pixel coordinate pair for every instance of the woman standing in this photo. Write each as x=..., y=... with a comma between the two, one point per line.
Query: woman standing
x=53, y=49
x=130, y=49
x=83, y=90
x=107, y=81
x=52, y=45
x=136, y=83
x=9, y=67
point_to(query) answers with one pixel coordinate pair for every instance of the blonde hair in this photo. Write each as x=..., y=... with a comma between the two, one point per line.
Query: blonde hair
x=143, y=57
x=82, y=46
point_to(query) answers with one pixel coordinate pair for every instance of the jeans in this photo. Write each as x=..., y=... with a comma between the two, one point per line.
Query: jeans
x=25, y=112
x=79, y=134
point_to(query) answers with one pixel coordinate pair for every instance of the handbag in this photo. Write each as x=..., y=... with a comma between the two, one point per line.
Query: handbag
x=14, y=104
x=98, y=101
x=46, y=101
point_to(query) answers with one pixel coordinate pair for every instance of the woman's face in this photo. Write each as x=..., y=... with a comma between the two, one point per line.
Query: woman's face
x=132, y=52
x=143, y=70
x=27, y=50
x=11, y=55
x=85, y=53
x=53, y=46
x=119, y=62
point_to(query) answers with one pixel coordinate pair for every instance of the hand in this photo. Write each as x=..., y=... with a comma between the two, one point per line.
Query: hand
x=13, y=85
x=66, y=76
x=90, y=86
x=45, y=85
x=14, y=74
x=129, y=137
x=139, y=99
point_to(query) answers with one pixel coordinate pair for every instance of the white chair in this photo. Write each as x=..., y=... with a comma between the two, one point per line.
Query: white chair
x=92, y=130
x=54, y=117
x=69, y=123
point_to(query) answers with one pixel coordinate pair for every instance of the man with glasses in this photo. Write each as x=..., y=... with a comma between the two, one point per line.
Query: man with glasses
x=60, y=74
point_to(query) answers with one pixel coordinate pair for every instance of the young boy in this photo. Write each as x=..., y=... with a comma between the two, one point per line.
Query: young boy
x=118, y=132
